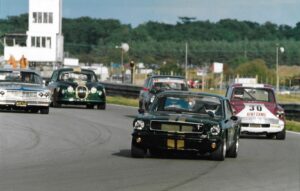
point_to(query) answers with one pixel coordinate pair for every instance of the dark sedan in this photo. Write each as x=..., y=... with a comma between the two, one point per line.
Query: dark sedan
x=77, y=86
x=187, y=121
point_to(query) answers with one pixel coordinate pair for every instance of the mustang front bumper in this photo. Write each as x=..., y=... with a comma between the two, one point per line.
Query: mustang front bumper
x=175, y=141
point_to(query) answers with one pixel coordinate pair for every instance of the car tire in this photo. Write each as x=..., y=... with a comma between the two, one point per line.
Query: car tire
x=220, y=153
x=270, y=135
x=101, y=106
x=44, y=110
x=155, y=152
x=90, y=106
x=233, y=150
x=54, y=99
x=137, y=152
x=281, y=135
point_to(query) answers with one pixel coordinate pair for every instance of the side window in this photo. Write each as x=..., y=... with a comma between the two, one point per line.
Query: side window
x=54, y=76
x=229, y=111
x=146, y=83
x=37, y=79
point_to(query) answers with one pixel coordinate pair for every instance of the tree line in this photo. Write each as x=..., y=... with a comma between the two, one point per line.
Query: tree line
x=229, y=41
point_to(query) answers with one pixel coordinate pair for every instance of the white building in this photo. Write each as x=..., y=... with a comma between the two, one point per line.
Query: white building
x=42, y=44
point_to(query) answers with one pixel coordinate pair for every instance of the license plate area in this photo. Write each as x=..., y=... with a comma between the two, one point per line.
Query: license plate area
x=174, y=144
x=21, y=103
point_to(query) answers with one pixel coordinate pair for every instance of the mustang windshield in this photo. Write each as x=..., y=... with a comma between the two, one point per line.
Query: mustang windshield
x=20, y=77
x=189, y=103
x=70, y=76
x=252, y=94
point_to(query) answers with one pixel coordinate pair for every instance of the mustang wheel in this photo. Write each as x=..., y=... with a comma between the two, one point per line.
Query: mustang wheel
x=137, y=152
x=281, y=135
x=220, y=153
x=155, y=153
x=34, y=110
x=233, y=151
x=44, y=110
x=101, y=106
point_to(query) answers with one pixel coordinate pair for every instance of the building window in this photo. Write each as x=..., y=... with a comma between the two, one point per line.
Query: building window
x=44, y=42
x=50, y=17
x=33, y=41
x=34, y=17
x=40, y=17
x=45, y=17
x=48, y=42
x=38, y=42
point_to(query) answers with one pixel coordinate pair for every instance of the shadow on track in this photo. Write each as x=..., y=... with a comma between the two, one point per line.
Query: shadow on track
x=126, y=153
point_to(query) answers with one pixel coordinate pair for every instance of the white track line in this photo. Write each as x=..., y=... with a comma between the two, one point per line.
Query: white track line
x=292, y=132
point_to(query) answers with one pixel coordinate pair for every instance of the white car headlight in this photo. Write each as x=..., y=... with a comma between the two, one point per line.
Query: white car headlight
x=215, y=130
x=139, y=124
x=2, y=92
x=100, y=93
x=70, y=89
x=93, y=90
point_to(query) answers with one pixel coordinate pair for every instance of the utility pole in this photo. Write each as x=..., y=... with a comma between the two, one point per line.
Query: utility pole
x=186, y=61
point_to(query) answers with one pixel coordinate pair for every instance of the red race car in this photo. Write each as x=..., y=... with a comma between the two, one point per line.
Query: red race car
x=256, y=105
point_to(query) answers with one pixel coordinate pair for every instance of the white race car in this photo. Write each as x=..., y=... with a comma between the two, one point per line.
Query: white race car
x=256, y=105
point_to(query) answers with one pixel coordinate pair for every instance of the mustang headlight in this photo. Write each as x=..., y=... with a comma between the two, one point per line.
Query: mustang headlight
x=139, y=124
x=93, y=90
x=70, y=89
x=215, y=130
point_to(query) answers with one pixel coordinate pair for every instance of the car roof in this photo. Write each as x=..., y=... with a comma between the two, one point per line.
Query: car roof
x=74, y=69
x=176, y=92
x=252, y=85
x=21, y=70
x=167, y=76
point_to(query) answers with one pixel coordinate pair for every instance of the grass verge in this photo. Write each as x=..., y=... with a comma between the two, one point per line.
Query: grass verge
x=293, y=126
x=122, y=101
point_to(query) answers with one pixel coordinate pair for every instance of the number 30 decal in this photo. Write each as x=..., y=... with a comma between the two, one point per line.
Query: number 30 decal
x=257, y=107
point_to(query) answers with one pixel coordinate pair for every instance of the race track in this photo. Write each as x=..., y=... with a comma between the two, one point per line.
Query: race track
x=75, y=149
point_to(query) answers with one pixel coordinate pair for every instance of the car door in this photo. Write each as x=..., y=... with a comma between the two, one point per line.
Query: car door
x=230, y=123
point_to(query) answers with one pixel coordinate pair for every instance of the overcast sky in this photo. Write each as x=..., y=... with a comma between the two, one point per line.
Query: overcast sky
x=139, y=11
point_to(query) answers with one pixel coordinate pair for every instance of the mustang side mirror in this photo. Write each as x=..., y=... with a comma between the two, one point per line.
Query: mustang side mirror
x=141, y=111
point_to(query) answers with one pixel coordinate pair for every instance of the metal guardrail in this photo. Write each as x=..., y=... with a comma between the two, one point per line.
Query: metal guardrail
x=125, y=90
x=292, y=110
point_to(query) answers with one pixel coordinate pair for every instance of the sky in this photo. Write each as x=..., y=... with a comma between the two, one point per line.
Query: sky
x=136, y=12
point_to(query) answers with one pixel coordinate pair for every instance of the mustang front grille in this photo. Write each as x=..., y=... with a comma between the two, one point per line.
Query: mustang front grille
x=176, y=127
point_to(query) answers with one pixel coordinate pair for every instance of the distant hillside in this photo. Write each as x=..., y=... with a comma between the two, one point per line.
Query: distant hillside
x=229, y=41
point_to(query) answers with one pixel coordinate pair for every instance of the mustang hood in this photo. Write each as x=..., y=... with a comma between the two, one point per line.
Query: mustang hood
x=22, y=87
x=189, y=118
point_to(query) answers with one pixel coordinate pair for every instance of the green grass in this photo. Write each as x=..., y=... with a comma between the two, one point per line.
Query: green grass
x=288, y=98
x=293, y=126
x=122, y=101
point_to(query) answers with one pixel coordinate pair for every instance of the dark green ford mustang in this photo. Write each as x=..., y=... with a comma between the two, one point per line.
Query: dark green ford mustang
x=77, y=87
x=187, y=121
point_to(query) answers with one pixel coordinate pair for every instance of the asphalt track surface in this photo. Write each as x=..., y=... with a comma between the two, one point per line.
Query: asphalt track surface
x=74, y=149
